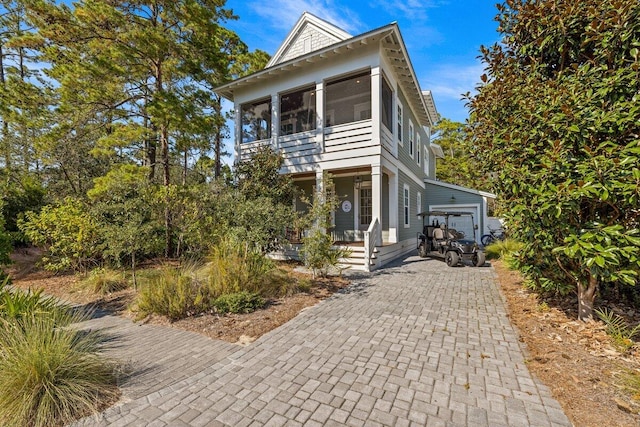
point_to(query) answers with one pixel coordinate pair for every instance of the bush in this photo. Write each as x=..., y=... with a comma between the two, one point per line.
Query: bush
x=67, y=233
x=105, y=281
x=239, y=302
x=505, y=249
x=174, y=292
x=49, y=374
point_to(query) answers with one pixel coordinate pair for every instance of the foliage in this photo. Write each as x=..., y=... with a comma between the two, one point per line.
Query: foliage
x=459, y=165
x=5, y=243
x=505, y=249
x=621, y=334
x=175, y=292
x=105, y=281
x=557, y=120
x=239, y=302
x=68, y=234
x=49, y=374
x=317, y=251
x=21, y=193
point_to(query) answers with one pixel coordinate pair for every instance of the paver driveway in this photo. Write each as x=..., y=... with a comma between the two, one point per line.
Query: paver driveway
x=415, y=343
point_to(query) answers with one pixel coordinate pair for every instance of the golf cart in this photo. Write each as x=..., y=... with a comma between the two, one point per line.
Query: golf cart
x=440, y=240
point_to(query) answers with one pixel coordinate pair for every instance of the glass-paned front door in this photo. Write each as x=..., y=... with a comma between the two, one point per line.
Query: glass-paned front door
x=366, y=208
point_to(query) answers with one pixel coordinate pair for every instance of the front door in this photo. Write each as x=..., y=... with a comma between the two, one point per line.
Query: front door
x=365, y=207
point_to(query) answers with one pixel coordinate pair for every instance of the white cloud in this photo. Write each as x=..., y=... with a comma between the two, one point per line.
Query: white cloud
x=450, y=81
x=283, y=14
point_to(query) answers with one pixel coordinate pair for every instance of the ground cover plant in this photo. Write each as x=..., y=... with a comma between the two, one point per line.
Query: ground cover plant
x=50, y=373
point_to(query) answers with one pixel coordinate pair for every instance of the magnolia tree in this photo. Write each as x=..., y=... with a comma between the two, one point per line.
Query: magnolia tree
x=557, y=118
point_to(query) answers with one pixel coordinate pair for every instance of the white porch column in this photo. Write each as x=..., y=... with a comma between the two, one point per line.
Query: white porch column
x=376, y=196
x=237, y=130
x=275, y=122
x=320, y=115
x=375, y=105
x=393, y=208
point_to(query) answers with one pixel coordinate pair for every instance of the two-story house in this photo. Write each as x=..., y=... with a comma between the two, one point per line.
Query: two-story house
x=351, y=106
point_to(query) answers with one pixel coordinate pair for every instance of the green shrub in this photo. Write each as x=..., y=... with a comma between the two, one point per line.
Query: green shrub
x=174, y=292
x=50, y=374
x=235, y=267
x=502, y=249
x=105, y=281
x=67, y=233
x=239, y=302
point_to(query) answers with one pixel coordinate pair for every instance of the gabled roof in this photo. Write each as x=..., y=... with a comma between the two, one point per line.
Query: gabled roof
x=393, y=48
x=460, y=188
x=319, y=33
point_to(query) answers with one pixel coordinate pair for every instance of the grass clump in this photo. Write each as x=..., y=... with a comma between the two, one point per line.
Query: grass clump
x=50, y=373
x=104, y=281
x=173, y=292
x=621, y=334
x=506, y=250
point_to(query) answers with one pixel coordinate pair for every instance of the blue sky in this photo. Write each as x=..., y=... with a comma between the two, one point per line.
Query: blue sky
x=443, y=37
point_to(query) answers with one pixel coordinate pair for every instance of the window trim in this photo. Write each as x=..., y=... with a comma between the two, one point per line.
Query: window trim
x=406, y=212
x=366, y=73
x=418, y=202
x=383, y=83
x=426, y=160
x=418, y=147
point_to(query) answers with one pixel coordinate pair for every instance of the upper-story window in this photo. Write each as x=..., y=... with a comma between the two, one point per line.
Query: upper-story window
x=387, y=105
x=298, y=111
x=348, y=99
x=418, y=147
x=256, y=120
x=412, y=140
x=400, y=123
x=426, y=161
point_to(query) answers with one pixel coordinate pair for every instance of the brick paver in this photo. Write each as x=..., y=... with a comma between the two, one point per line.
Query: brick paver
x=416, y=343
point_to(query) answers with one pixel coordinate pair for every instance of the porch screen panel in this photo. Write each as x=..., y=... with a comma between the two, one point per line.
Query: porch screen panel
x=348, y=100
x=298, y=111
x=256, y=121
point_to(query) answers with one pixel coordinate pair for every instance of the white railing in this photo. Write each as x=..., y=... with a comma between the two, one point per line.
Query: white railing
x=248, y=149
x=371, y=237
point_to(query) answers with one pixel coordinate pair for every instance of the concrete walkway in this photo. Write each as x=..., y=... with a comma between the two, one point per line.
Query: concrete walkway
x=415, y=343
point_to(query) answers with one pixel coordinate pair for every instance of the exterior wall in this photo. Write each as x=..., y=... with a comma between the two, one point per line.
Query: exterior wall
x=344, y=230
x=415, y=225
x=385, y=201
x=404, y=155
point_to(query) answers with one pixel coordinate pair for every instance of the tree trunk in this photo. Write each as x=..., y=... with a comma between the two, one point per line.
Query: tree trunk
x=586, y=297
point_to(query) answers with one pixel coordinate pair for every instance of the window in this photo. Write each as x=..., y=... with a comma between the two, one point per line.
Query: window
x=256, y=121
x=348, y=99
x=419, y=147
x=298, y=111
x=406, y=206
x=418, y=202
x=399, y=123
x=412, y=141
x=387, y=105
x=426, y=161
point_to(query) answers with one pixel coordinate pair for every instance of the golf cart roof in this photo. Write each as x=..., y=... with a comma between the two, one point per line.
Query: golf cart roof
x=444, y=213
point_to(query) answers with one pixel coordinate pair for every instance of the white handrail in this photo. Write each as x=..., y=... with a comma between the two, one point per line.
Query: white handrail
x=370, y=242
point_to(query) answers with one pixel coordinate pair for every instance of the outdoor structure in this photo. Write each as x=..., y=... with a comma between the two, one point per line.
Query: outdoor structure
x=350, y=106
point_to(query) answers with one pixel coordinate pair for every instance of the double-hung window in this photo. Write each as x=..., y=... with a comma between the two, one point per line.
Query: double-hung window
x=399, y=123
x=412, y=142
x=406, y=206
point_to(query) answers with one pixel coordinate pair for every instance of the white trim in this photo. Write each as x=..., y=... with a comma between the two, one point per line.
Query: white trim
x=418, y=148
x=418, y=202
x=459, y=188
x=406, y=206
x=425, y=161
x=437, y=150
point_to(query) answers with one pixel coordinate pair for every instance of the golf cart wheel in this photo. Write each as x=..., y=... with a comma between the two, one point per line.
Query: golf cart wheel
x=486, y=240
x=422, y=251
x=452, y=259
x=478, y=259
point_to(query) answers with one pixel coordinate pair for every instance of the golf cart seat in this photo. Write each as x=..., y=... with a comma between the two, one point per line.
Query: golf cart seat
x=438, y=234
